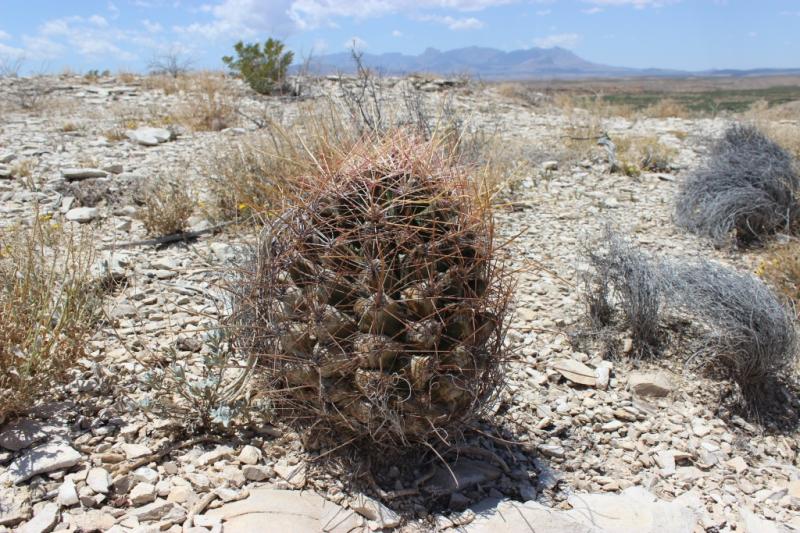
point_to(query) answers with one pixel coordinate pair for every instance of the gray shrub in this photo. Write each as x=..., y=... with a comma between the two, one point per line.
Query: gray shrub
x=749, y=331
x=747, y=187
x=621, y=272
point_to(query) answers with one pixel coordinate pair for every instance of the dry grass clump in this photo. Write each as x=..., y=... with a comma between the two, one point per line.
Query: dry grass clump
x=166, y=207
x=375, y=304
x=208, y=105
x=666, y=108
x=126, y=77
x=749, y=331
x=639, y=154
x=780, y=267
x=254, y=176
x=522, y=93
x=47, y=309
x=786, y=134
x=747, y=187
x=623, y=275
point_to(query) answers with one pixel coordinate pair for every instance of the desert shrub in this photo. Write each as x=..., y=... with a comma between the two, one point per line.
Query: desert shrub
x=622, y=275
x=264, y=69
x=48, y=307
x=169, y=63
x=375, y=304
x=747, y=187
x=205, y=391
x=166, y=207
x=643, y=154
x=750, y=332
x=208, y=106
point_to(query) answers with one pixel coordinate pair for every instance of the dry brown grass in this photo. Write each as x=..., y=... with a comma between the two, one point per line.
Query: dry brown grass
x=166, y=207
x=47, y=310
x=208, y=104
x=250, y=178
x=780, y=267
x=665, y=108
x=522, y=93
x=780, y=123
x=126, y=77
x=644, y=153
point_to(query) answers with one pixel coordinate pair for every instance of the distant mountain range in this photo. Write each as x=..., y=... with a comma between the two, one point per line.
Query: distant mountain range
x=490, y=63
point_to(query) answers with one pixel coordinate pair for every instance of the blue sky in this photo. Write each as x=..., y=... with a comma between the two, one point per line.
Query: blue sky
x=127, y=34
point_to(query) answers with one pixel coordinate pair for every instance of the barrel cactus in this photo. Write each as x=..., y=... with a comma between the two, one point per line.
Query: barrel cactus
x=375, y=305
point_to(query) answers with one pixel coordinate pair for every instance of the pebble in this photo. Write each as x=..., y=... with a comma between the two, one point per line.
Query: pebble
x=82, y=214
x=67, y=494
x=142, y=493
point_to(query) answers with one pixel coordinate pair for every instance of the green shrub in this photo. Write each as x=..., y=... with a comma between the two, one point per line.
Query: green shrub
x=264, y=70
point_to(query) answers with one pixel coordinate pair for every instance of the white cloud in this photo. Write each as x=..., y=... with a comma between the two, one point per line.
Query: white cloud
x=543, y=12
x=592, y=10
x=4, y=36
x=564, y=40
x=152, y=27
x=10, y=52
x=638, y=4
x=397, y=33
x=92, y=37
x=466, y=23
x=245, y=18
x=98, y=21
x=42, y=48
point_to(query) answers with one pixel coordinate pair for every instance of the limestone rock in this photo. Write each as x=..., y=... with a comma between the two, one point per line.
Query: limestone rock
x=633, y=511
x=576, y=372
x=375, y=511
x=82, y=214
x=43, y=459
x=67, y=493
x=77, y=174
x=135, y=451
x=250, y=455
x=147, y=136
x=512, y=517
x=272, y=510
x=142, y=493
x=21, y=434
x=98, y=480
x=295, y=475
x=43, y=521
x=655, y=385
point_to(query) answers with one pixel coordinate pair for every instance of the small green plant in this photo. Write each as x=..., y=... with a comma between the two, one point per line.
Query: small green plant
x=264, y=69
x=209, y=394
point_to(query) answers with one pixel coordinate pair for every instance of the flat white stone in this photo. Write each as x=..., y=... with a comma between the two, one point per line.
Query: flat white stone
x=43, y=459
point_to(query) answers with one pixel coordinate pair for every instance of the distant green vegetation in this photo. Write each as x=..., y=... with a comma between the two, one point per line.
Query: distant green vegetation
x=709, y=101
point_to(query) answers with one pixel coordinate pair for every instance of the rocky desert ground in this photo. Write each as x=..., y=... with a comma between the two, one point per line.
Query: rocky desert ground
x=578, y=441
